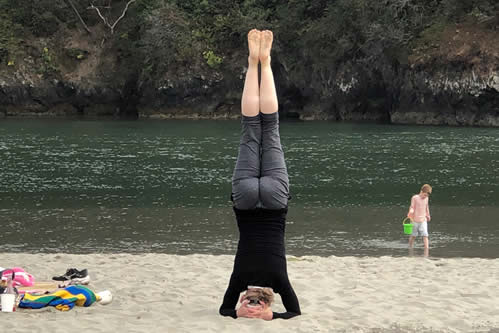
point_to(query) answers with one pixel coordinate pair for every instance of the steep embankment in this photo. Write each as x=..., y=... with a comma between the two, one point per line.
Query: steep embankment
x=453, y=80
x=162, y=67
x=449, y=76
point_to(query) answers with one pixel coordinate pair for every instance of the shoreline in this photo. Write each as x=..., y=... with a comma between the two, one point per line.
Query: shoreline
x=165, y=117
x=182, y=293
x=236, y=116
x=416, y=254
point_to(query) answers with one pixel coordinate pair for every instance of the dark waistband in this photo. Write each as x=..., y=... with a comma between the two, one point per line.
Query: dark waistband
x=261, y=212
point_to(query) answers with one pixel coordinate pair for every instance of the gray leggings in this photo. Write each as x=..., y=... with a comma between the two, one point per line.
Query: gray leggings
x=260, y=177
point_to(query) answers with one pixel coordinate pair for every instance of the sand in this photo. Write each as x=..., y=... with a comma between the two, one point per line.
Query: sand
x=171, y=293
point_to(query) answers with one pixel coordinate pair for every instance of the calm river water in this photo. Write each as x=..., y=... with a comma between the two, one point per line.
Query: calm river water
x=163, y=186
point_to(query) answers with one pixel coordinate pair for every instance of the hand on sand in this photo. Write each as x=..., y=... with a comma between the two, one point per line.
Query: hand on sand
x=266, y=312
x=249, y=311
x=261, y=311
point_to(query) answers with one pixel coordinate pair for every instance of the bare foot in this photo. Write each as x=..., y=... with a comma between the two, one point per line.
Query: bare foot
x=265, y=45
x=254, y=45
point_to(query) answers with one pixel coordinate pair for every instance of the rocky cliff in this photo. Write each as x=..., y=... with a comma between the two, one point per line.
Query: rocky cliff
x=450, y=76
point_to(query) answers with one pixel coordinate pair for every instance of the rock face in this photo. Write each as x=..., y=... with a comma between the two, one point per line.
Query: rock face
x=446, y=98
x=454, y=83
x=56, y=98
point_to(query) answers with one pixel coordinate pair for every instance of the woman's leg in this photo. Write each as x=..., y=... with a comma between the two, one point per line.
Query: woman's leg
x=268, y=95
x=245, y=180
x=250, y=101
x=274, y=182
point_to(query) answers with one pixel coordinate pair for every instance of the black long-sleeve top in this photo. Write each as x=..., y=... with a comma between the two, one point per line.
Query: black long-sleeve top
x=261, y=260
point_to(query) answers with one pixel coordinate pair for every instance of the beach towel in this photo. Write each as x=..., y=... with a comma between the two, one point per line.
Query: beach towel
x=63, y=299
x=21, y=278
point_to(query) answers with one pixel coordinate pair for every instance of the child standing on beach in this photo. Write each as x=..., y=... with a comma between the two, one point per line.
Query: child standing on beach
x=419, y=213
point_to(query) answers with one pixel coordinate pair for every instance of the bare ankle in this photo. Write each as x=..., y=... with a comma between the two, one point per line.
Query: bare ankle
x=265, y=62
x=253, y=61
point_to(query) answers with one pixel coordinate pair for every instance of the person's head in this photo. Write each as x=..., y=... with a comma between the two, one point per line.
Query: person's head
x=425, y=190
x=259, y=294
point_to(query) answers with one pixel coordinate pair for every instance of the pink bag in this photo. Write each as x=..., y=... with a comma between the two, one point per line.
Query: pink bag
x=21, y=278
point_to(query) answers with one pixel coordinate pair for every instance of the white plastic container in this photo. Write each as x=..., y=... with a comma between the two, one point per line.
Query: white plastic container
x=8, y=301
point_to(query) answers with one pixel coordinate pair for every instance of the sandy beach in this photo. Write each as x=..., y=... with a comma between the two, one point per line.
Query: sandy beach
x=171, y=293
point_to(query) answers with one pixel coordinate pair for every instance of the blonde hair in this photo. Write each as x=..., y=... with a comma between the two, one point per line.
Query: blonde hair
x=262, y=294
x=426, y=188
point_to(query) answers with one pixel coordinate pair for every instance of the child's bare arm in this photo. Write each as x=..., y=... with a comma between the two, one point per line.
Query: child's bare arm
x=410, y=213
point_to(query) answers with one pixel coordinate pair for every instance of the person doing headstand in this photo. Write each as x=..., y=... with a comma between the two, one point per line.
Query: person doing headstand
x=260, y=191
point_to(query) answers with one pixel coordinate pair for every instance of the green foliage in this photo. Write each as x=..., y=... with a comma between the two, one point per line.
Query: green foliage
x=370, y=32
x=44, y=25
x=212, y=59
x=41, y=17
x=432, y=33
x=47, y=65
x=145, y=7
x=168, y=36
x=8, y=40
x=222, y=25
x=161, y=36
x=75, y=53
x=458, y=9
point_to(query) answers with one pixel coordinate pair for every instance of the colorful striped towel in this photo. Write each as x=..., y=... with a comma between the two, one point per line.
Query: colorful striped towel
x=63, y=299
